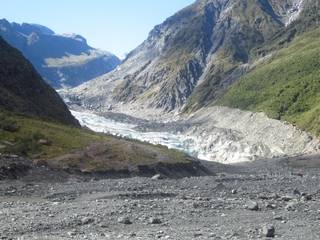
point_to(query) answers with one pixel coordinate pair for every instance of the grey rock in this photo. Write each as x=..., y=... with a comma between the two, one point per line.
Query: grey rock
x=124, y=220
x=296, y=192
x=71, y=233
x=292, y=206
x=155, y=220
x=278, y=218
x=271, y=206
x=234, y=191
x=253, y=206
x=306, y=198
x=157, y=177
x=268, y=231
x=87, y=220
x=287, y=198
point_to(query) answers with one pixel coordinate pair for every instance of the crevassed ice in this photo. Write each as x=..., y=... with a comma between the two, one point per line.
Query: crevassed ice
x=187, y=143
x=100, y=124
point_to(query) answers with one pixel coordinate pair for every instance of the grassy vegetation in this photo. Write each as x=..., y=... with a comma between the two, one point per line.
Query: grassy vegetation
x=65, y=147
x=118, y=154
x=254, y=27
x=285, y=87
x=24, y=133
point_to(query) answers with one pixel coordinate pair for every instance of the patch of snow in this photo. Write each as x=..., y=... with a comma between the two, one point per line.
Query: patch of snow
x=294, y=12
x=73, y=36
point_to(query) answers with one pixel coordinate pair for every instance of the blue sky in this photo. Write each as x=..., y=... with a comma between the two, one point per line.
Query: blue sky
x=114, y=25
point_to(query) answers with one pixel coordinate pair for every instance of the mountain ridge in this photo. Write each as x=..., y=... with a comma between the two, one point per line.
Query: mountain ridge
x=33, y=40
x=207, y=45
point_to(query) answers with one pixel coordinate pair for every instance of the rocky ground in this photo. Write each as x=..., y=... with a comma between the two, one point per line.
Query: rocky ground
x=276, y=198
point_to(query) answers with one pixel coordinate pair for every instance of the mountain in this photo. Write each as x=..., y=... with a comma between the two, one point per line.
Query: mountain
x=301, y=18
x=23, y=91
x=35, y=123
x=193, y=57
x=62, y=60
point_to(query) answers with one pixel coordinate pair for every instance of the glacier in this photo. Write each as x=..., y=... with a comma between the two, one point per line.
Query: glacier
x=214, y=147
x=215, y=134
x=172, y=141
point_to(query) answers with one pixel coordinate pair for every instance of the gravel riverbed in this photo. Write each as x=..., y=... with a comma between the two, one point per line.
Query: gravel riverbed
x=274, y=198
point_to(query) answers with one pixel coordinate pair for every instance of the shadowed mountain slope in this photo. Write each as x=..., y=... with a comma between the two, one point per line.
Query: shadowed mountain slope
x=22, y=89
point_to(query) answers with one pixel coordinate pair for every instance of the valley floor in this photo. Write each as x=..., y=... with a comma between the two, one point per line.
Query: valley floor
x=282, y=192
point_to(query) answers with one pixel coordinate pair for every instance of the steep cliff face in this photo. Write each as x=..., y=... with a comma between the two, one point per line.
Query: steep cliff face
x=23, y=91
x=189, y=60
x=62, y=60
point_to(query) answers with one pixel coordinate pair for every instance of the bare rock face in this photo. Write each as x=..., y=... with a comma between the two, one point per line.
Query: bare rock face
x=191, y=57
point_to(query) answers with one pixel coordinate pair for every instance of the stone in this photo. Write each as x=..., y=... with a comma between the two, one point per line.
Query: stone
x=291, y=206
x=72, y=233
x=124, y=220
x=86, y=220
x=275, y=196
x=195, y=205
x=154, y=220
x=44, y=142
x=271, y=206
x=306, y=198
x=296, y=192
x=157, y=177
x=234, y=191
x=287, y=198
x=268, y=231
x=253, y=206
x=278, y=218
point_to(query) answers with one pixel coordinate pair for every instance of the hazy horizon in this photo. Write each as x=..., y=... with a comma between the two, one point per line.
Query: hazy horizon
x=115, y=26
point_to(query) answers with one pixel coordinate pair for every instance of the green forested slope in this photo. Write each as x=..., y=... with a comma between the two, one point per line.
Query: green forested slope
x=286, y=87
